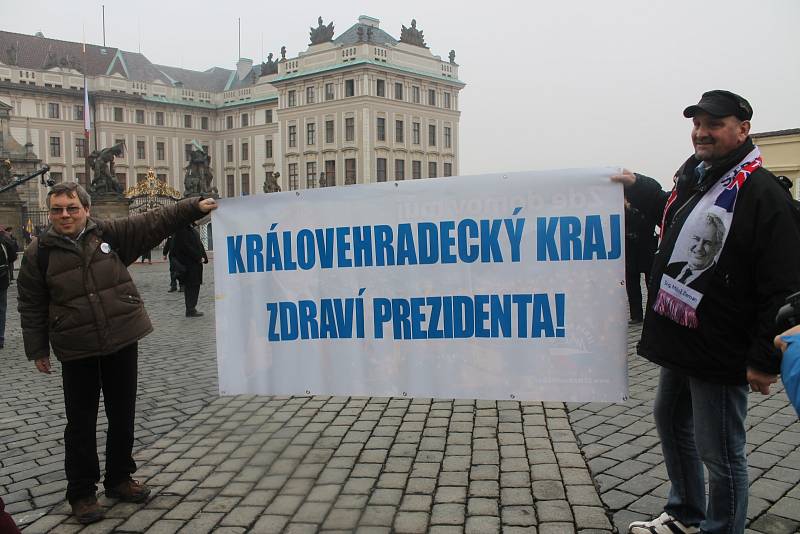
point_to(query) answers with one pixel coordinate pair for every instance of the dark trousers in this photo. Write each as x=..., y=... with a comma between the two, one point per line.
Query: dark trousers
x=633, y=286
x=633, y=279
x=173, y=274
x=84, y=379
x=190, y=296
x=3, y=307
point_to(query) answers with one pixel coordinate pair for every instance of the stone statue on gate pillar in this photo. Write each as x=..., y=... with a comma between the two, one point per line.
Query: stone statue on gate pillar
x=199, y=175
x=108, y=199
x=104, y=182
x=6, y=177
x=271, y=184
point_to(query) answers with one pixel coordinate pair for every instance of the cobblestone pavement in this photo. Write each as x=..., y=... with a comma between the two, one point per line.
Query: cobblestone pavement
x=624, y=455
x=343, y=464
x=175, y=381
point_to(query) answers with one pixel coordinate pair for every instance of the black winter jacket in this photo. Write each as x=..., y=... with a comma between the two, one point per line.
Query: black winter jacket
x=758, y=268
x=8, y=255
x=188, y=250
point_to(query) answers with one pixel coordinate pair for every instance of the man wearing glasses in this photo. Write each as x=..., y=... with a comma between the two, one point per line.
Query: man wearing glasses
x=77, y=296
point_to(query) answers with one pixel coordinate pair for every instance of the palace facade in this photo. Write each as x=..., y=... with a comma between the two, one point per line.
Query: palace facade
x=360, y=107
x=781, y=152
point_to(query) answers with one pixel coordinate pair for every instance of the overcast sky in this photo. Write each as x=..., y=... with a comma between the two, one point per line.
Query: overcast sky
x=549, y=84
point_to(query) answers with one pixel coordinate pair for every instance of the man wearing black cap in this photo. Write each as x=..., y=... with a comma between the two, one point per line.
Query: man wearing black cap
x=711, y=334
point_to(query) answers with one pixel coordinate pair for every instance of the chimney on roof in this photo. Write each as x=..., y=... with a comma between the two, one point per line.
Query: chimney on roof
x=369, y=21
x=243, y=67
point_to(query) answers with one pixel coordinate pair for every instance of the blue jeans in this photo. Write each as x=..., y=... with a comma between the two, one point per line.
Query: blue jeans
x=703, y=423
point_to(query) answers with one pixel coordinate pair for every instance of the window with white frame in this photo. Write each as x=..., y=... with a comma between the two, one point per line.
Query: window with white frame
x=381, y=169
x=311, y=174
x=292, y=176
x=311, y=134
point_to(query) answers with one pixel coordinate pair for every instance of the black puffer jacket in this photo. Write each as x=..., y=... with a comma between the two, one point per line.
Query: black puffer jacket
x=86, y=304
x=758, y=268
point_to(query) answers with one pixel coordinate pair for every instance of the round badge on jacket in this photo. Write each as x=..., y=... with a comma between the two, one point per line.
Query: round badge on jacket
x=105, y=247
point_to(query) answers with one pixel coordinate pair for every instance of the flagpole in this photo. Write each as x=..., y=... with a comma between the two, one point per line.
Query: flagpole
x=86, y=120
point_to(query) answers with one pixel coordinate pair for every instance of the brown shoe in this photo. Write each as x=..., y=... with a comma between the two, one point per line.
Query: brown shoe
x=86, y=510
x=129, y=491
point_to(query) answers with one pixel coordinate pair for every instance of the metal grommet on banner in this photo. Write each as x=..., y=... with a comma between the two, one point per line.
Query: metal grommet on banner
x=297, y=193
x=396, y=184
x=513, y=396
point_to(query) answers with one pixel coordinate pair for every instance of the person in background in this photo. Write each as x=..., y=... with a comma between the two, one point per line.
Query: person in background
x=8, y=255
x=188, y=249
x=7, y=525
x=174, y=266
x=640, y=246
x=9, y=231
x=789, y=344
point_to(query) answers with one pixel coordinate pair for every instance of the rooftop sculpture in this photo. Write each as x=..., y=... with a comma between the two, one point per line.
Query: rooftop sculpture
x=322, y=33
x=412, y=35
x=269, y=67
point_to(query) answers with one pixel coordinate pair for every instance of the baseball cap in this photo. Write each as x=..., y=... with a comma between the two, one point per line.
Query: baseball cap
x=721, y=104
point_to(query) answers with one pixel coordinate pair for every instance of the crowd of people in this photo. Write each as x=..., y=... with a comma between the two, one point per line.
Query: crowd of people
x=726, y=257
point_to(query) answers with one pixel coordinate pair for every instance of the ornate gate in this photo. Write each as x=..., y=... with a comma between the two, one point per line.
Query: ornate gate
x=151, y=194
x=33, y=222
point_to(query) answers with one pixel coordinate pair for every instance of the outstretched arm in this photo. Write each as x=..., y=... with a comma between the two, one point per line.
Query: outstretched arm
x=133, y=235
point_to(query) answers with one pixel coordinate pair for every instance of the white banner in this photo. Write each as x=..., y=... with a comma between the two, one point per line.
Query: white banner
x=490, y=287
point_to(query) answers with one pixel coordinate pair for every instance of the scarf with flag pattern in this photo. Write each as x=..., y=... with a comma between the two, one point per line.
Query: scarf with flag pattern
x=699, y=244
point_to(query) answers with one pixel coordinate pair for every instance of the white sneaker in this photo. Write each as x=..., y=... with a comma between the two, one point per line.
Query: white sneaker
x=663, y=524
